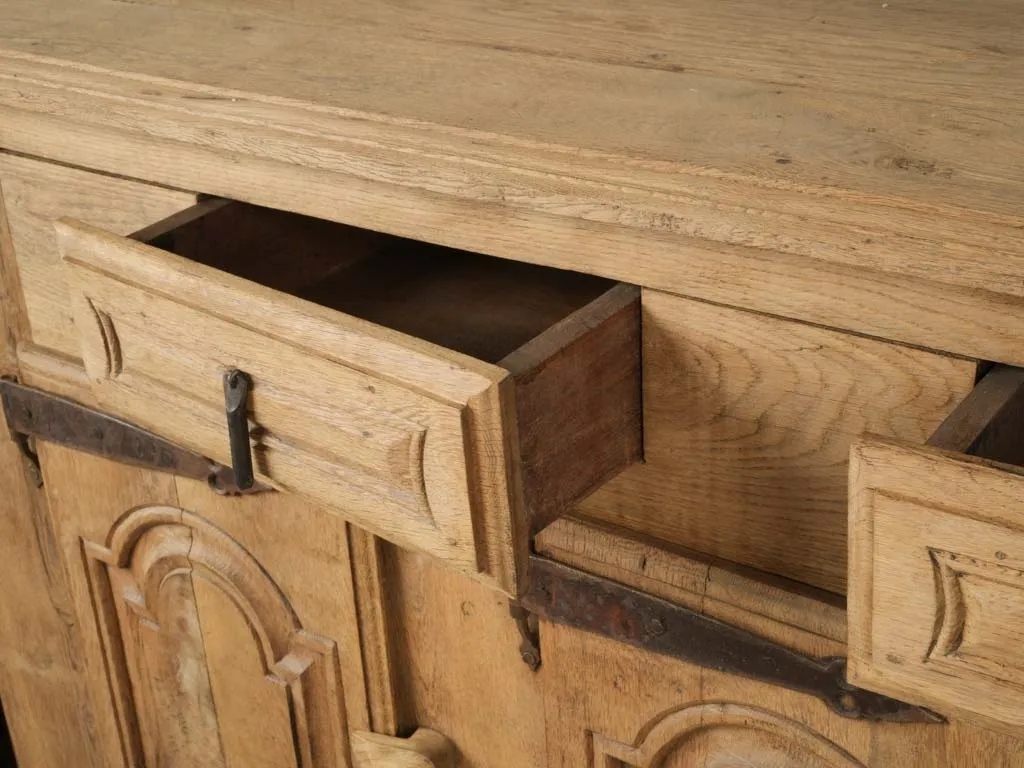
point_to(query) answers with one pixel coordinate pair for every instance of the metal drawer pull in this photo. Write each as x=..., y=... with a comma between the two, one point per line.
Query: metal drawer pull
x=237, y=386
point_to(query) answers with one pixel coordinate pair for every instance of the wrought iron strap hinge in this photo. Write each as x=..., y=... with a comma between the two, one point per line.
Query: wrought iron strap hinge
x=564, y=595
x=33, y=414
x=526, y=623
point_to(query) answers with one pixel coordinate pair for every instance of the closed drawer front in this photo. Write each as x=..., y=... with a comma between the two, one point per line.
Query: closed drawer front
x=446, y=401
x=936, y=598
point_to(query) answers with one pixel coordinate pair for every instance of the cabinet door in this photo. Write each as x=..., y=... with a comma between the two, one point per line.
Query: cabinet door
x=218, y=631
x=611, y=705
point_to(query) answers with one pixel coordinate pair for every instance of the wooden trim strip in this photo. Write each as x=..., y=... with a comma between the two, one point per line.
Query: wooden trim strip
x=806, y=619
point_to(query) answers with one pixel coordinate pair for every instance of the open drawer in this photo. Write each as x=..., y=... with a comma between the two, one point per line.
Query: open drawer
x=936, y=570
x=449, y=402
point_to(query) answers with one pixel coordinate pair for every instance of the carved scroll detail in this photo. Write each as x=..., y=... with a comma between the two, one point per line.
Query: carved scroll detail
x=149, y=545
x=111, y=342
x=668, y=732
x=965, y=639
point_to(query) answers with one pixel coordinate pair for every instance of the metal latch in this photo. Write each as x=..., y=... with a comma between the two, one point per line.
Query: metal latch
x=35, y=414
x=237, y=385
x=564, y=595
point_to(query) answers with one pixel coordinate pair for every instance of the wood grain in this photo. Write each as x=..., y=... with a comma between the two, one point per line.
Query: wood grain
x=36, y=195
x=14, y=317
x=460, y=671
x=871, y=211
x=375, y=626
x=308, y=556
x=578, y=403
x=195, y=619
x=47, y=700
x=48, y=707
x=54, y=372
x=936, y=562
x=716, y=731
x=988, y=422
x=405, y=437
x=424, y=749
x=807, y=620
x=612, y=699
x=748, y=422
x=393, y=414
x=85, y=496
x=610, y=705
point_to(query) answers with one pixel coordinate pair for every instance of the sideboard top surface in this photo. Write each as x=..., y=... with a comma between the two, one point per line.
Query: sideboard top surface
x=827, y=162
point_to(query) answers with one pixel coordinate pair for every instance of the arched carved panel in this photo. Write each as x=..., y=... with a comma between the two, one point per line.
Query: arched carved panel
x=141, y=580
x=754, y=737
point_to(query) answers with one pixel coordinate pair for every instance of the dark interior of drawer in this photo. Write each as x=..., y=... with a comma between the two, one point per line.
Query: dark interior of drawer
x=479, y=305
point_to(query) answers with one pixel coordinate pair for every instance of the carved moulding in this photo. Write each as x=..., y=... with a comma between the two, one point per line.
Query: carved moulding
x=670, y=732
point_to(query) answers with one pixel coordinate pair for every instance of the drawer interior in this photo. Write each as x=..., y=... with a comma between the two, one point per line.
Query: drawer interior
x=446, y=401
x=478, y=305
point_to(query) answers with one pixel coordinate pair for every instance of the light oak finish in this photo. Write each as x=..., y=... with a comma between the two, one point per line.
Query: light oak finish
x=47, y=703
x=807, y=620
x=937, y=560
x=624, y=706
x=608, y=704
x=111, y=489
x=822, y=206
x=373, y=400
x=424, y=749
x=376, y=628
x=217, y=630
x=748, y=421
x=798, y=176
x=36, y=195
x=461, y=674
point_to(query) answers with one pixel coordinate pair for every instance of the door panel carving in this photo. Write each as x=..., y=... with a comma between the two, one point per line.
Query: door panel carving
x=173, y=594
x=723, y=735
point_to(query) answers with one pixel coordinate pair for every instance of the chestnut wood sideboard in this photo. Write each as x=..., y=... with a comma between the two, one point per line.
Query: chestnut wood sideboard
x=512, y=384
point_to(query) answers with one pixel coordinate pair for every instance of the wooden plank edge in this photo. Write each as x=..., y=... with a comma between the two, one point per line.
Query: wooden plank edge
x=804, y=618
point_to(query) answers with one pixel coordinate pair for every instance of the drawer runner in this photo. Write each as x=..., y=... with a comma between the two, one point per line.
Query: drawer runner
x=34, y=413
x=564, y=595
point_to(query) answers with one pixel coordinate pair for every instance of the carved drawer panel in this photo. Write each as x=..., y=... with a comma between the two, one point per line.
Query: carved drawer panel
x=936, y=596
x=446, y=401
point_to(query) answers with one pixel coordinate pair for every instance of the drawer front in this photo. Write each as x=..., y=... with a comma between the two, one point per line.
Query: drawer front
x=936, y=601
x=379, y=428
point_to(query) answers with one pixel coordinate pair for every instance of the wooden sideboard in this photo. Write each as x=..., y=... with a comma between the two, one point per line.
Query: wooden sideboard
x=621, y=384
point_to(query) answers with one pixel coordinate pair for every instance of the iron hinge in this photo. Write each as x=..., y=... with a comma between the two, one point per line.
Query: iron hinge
x=564, y=595
x=33, y=414
x=30, y=458
x=529, y=634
